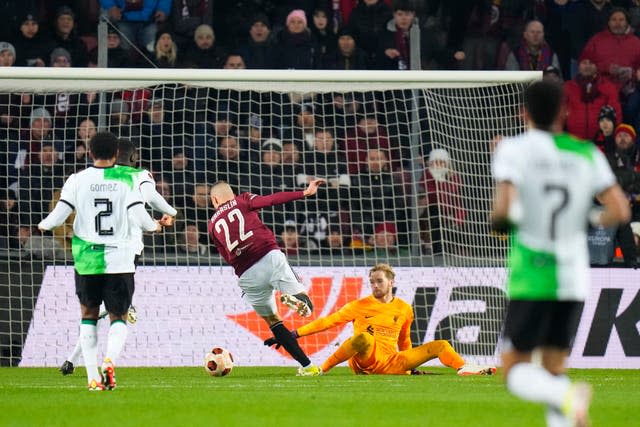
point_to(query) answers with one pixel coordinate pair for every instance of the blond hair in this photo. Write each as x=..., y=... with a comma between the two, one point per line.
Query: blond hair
x=386, y=268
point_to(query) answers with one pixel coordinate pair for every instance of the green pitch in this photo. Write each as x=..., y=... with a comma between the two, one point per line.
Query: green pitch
x=275, y=397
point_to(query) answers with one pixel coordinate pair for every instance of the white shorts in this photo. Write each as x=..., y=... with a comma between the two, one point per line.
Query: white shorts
x=271, y=273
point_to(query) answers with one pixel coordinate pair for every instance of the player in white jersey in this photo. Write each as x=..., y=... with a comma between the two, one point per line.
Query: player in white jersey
x=545, y=185
x=143, y=180
x=106, y=204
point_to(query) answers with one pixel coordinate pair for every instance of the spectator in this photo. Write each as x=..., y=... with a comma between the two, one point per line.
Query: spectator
x=385, y=241
x=367, y=135
x=190, y=242
x=337, y=243
x=40, y=131
x=604, y=137
x=9, y=220
x=198, y=209
x=324, y=162
x=616, y=52
x=292, y=244
x=7, y=54
x=65, y=37
x=60, y=57
x=445, y=211
x=584, y=20
x=259, y=51
x=533, y=52
x=183, y=174
x=38, y=182
x=395, y=42
x=32, y=48
x=187, y=16
x=117, y=57
x=202, y=51
x=165, y=54
x=584, y=97
x=228, y=165
x=553, y=74
x=292, y=166
x=474, y=34
x=119, y=118
x=303, y=127
x=624, y=162
x=323, y=35
x=368, y=22
x=234, y=61
x=296, y=48
x=348, y=56
x=75, y=153
x=268, y=179
x=156, y=137
x=138, y=21
x=375, y=195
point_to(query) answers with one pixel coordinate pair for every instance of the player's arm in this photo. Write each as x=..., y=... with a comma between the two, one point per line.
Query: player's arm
x=616, y=208
x=63, y=208
x=259, y=202
x=503, y=197
x=340, y=317
x=404, y=338
x=57, y=216
x=139, y=216
x=151, y=196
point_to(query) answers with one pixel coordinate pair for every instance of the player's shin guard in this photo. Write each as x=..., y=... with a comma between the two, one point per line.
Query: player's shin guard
x=89, y=344
x=286, y=339
x=117, y=337
x=535, y=384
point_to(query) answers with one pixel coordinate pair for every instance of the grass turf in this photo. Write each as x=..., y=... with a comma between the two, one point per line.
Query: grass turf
x=275, y=397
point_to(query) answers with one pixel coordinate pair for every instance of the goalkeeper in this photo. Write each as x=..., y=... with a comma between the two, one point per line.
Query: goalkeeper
x=381, y=341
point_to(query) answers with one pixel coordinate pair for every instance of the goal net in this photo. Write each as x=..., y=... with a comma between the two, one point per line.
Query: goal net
x=406, y=158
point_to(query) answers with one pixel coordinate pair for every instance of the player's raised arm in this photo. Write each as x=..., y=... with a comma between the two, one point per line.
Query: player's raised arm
x=63, y=208
x=312, y=189
x=141, y=218
x=616, y=208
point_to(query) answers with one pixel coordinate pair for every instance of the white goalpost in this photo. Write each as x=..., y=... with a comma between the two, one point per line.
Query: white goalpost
x=371, y=134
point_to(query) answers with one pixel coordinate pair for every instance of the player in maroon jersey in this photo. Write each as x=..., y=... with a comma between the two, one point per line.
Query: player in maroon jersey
x=251, y=249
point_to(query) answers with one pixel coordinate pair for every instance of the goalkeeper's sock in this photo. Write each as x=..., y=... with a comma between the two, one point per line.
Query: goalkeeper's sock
x=286, y=339
x=89, y=343
x=74, y=357
x=535, y=384
x=342, y=354
x=117, y=337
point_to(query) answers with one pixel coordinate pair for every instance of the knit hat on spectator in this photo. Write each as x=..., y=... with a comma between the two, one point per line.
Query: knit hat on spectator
x=58, y=52
x=273, y=144
x=204, y=30
x=31, y=15
x=65, y=10
x=607, y=112
x=389, y=227
x=551, y=70
x=439, y=154
x=625, y=128
x=39, y=113
x=261, y=17
x=118, y=106
x=7, y=46
x=297, y=13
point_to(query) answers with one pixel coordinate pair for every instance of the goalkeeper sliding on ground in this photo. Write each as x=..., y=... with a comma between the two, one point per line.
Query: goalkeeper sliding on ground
x=381, y=342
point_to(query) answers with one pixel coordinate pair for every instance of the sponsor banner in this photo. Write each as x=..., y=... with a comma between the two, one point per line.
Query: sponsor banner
x=185, y=311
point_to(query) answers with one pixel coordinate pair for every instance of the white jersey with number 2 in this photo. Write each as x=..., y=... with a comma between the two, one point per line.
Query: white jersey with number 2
x=556, y=177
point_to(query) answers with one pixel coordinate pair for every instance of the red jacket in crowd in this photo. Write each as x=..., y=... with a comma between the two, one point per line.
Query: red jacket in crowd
x=583, y=105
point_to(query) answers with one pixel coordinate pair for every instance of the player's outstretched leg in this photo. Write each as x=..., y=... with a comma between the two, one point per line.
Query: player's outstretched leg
x=285, y=338
x=89, y=344
x=115, y=343
x=300, y=303
x=576, y=404
x=360, y=345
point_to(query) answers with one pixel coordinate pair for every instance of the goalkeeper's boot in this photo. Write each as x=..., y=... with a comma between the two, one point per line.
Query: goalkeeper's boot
x=309, y=371
x=467, y=370
x=132, y=315
x=296, y=304
x=108, y=374
x=576, y=404
x=94, y=385
x=66, y=368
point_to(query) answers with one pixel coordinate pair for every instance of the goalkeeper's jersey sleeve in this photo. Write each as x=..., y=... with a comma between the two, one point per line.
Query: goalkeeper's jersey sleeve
x=102, y=198
x=389, y=323
x=556, y=178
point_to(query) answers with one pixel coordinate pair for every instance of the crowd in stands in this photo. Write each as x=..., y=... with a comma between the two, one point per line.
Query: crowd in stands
x=189, y=138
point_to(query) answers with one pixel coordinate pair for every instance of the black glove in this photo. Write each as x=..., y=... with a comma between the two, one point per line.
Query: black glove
x=269, y=342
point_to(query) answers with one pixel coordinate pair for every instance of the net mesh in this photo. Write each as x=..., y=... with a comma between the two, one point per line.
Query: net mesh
x=385, y=201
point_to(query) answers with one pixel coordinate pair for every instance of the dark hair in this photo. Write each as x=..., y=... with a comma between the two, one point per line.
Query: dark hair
x=542, y=101
x=403, y=5
x=126, y=152
x=104, y=146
